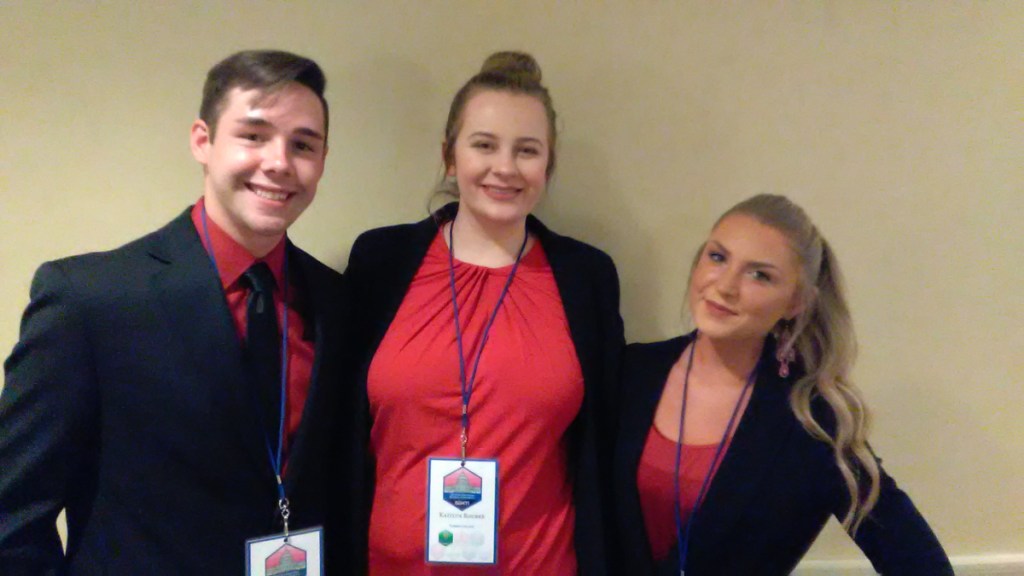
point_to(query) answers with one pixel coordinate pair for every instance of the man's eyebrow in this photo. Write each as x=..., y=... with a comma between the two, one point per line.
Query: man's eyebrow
x=309, y=132
x=252, y=121
x=257, y=122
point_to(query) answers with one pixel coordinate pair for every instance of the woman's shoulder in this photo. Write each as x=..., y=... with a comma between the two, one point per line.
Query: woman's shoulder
x=583, y=263
x=395, y=237
x=572, y=247
x=394, y=233
x=652, y=351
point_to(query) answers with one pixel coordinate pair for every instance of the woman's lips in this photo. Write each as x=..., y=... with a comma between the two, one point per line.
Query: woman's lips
x=718, y=309
x=500, y=191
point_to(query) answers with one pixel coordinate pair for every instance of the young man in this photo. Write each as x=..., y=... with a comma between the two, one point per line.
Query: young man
x=151, y=393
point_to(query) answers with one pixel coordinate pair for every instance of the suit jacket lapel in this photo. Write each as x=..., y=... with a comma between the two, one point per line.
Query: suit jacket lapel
x=198, y=316
x=649, y=383
x=313, y=319
x=762, y=432
x=403, y=270
x=318, y=300
x=572, y=282
x=646, y=387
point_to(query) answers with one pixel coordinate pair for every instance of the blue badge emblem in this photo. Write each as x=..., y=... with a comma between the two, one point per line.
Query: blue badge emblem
x=462, y=488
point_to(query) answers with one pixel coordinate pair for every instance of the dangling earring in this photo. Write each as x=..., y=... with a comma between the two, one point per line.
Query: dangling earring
x=785, y=347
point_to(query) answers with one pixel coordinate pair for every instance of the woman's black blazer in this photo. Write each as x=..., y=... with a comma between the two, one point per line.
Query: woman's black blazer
x=772, y=494
x=380, y=270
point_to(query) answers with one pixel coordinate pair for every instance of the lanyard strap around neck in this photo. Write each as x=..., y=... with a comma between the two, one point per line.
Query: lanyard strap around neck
x=276, y=458
x=683, y=532
x=467, y=386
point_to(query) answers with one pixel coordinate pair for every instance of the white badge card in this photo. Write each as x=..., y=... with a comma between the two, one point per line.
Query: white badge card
x=462, y=511
x=299, y=556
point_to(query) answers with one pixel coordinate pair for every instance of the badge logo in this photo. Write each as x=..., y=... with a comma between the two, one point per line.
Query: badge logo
x=462, y=488
x=286, y=561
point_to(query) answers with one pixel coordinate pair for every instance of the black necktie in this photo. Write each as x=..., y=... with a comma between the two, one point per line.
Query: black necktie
x=263, y=346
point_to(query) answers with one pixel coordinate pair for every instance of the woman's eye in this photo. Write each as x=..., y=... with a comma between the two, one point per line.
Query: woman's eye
x=529, y=151
x=483, y=145
x=761, y=276
x=716, y=256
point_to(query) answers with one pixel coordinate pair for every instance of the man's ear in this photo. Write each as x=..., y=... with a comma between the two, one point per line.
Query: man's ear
x=199, y=141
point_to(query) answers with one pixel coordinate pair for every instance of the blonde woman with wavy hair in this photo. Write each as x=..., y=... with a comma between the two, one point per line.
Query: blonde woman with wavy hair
x=739, y=440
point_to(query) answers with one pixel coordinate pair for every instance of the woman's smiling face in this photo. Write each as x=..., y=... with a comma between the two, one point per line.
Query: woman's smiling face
x=500, y=157
x=746, y=279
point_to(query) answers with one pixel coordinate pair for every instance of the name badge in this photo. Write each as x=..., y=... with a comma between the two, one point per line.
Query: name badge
x=300, y=554
x=462, y=511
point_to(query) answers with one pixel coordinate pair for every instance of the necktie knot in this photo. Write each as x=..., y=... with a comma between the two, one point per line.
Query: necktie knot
x=260, y=278
x=261, y=282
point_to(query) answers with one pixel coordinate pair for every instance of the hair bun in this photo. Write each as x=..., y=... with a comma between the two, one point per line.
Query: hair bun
x=519, y=66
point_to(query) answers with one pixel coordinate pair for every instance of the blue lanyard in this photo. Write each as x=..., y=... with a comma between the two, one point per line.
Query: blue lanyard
x=683, y=535
x=276, y=460
x=467, y=387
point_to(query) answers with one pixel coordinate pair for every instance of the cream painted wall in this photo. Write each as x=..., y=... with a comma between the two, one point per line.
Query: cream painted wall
x=897, y=126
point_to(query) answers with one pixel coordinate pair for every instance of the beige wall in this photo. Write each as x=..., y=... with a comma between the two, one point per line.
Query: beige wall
x=897, y=125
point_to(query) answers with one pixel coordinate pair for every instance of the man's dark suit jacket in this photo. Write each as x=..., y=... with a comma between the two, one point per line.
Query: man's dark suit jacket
x=772, y=494
x=381, y=268
x=125, y=403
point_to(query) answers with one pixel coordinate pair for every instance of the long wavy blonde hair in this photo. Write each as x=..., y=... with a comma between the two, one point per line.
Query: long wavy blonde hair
x=822, y=336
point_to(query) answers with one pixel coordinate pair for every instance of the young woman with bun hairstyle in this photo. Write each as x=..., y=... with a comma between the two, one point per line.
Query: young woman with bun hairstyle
x=489, y=333
x=740, y=439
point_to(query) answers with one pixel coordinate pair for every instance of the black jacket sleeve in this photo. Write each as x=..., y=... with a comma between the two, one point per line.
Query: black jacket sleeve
x=48, y=413
x=896, y=538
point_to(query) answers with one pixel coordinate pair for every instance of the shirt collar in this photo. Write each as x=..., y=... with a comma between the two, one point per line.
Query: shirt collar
x=231, y=257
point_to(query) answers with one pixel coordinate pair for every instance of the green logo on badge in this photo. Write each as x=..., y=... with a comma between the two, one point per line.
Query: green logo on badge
x=445, y=537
